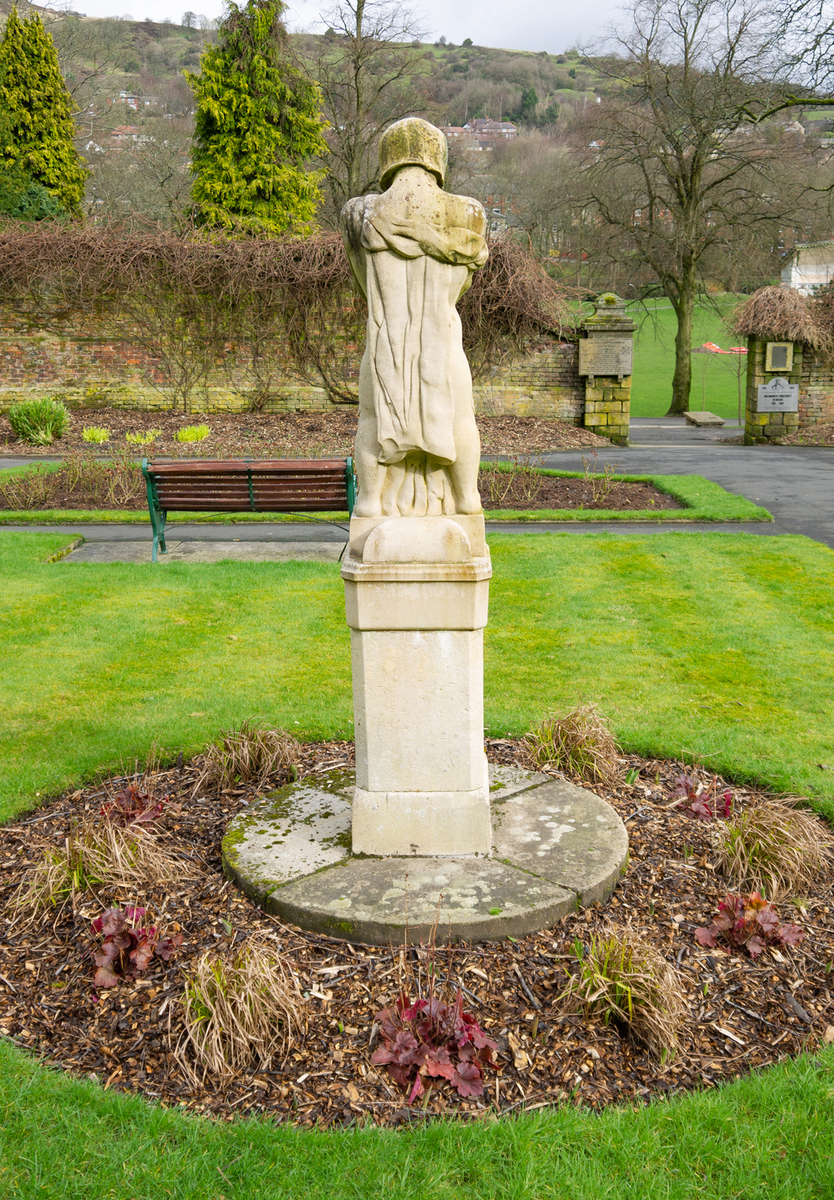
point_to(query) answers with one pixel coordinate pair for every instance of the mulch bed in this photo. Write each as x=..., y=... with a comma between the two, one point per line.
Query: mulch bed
x=498, y=490
x=741, y=1014
x=278, y=435
x=594, y=491
x=811, y=435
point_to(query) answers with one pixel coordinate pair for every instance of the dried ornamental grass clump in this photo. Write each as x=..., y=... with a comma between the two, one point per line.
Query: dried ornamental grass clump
x=99, y=854
x=238, y=1014
x=247, y=755
x=627, y=981
x=580, y=742
x=775, y=847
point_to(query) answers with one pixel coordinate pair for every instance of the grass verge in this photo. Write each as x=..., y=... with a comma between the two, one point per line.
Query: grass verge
x=703, y=500
x=767, y=1137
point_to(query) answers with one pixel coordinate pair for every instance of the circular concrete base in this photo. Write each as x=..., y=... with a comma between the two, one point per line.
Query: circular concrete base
x=556, y=847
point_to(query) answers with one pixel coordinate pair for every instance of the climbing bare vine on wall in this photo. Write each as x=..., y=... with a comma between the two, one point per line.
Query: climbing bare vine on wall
x=261, y=308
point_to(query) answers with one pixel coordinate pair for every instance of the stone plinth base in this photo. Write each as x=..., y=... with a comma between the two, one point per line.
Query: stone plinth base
x=419, y=823
x=555, y=847
x=416, y=599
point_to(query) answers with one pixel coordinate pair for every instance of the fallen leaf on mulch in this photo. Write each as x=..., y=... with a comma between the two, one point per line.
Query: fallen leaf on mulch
x=741, y=1014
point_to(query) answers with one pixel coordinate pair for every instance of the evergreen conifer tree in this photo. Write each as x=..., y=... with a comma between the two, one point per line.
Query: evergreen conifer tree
x=36, y=138
x=258, y=123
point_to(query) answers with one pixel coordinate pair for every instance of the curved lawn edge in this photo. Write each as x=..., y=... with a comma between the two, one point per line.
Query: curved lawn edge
x=703, y=500
x=70, y=1137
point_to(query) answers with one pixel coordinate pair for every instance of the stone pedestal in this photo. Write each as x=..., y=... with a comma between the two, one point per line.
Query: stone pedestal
x=605, y=359
x=416, y=594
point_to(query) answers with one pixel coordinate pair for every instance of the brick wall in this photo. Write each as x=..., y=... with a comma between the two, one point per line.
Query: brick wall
x=816, y=389
x=81, y=362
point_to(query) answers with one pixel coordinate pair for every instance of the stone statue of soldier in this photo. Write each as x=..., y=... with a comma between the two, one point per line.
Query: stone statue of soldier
x=413, y=249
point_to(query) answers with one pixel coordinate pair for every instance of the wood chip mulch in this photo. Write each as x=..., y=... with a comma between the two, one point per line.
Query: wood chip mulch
x=277, y=435
x=741, y=1014
x=811, y=435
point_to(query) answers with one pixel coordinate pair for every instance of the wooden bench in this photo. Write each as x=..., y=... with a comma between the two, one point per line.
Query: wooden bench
x=281, y=485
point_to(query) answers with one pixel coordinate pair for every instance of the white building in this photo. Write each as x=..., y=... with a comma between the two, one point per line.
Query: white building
x=810, y=266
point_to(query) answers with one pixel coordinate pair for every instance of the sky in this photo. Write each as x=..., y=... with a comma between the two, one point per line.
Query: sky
x=551, y=25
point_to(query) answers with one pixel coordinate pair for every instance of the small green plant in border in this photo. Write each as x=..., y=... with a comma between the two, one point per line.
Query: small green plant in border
x=143, y=438
x=39, y=421
x=95, y=433
x=193, y=433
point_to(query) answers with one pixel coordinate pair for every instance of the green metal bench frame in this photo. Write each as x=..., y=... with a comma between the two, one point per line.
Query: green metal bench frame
x=159, y=515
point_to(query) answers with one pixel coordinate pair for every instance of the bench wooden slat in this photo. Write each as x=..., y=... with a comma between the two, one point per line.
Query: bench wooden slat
x=246, y=485
x=242, y=466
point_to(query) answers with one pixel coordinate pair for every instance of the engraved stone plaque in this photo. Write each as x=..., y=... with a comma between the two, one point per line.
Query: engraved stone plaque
x=605, y=356
x=778, y=396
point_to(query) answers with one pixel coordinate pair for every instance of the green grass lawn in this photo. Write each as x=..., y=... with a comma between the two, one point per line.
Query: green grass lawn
x=768, y=1137
x=714, y=377
x=714, y=645
x=718, y=647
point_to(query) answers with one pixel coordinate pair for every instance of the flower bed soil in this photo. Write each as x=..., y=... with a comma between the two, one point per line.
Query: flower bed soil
x=278, y=435
x=499, y=490
x=741, y=1014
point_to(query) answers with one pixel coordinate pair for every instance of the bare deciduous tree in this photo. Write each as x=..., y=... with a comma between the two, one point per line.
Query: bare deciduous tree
x=674, y=168
x=367, y=72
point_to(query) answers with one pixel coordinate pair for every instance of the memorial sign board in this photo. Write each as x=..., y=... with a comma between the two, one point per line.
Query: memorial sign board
x=778, y=396
x=606, y=356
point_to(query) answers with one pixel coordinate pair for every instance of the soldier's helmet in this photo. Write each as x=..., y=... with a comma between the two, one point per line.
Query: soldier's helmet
x=412, y=142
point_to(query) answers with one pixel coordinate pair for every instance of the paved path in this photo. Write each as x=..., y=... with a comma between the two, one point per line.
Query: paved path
x=795, y=483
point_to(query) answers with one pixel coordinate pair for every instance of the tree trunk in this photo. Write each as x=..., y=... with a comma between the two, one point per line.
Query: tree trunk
x=684, y=306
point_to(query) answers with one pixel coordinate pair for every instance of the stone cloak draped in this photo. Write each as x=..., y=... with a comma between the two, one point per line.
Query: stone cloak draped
x=414, y=273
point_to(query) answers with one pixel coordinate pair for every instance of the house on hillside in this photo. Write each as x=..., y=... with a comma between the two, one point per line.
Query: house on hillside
x=811, y=265
x=489, y=132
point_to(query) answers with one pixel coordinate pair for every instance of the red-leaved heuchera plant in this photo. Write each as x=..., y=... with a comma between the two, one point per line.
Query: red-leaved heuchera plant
x=750, y=922
x=127, y=947
x=132, y=806
x=701, y=803
x=431, y=1039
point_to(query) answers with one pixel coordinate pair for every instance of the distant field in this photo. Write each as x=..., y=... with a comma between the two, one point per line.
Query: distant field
x=714, y=377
